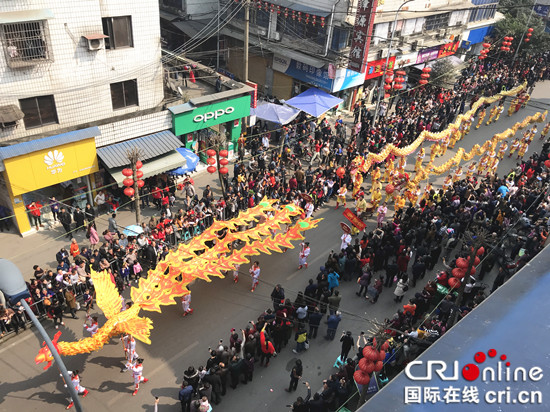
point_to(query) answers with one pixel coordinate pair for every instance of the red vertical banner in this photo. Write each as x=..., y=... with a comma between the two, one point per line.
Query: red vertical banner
x=253, y=94
x=361, y=36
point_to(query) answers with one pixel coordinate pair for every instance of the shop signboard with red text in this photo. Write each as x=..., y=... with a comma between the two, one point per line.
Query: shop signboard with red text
x=361, y=35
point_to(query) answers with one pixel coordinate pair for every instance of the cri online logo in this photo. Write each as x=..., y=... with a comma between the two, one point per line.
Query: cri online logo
x=470, y=372
x=53, y=157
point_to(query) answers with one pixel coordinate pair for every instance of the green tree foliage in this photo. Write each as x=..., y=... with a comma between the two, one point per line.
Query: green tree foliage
x=514, y=24
x=443, y=73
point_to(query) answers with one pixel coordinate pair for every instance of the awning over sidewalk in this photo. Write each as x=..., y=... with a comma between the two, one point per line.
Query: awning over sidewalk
x=152, y=167
x=158, y=154
x=275, y=113
x=151, y=146
x=314, y=102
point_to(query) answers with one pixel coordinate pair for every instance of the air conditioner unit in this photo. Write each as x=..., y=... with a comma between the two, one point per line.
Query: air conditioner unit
x=382, y=54
x=95, y=41
x=258, y=31
x=441, y=33
x=419, y=43
x=276, y=36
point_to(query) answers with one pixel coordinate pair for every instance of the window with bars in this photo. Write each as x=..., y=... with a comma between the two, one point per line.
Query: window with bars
x=437, y=21
x=39, y=111
x=124, y=94
x=25, y=43
x=119, y=30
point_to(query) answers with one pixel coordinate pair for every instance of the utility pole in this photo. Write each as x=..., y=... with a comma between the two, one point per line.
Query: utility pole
x=218, y=41
x=246, y=29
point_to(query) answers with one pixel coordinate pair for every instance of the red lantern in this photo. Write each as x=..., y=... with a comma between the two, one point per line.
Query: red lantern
x=503, y=48
x=382, y=355
x=361, y=377
x=224, y=162
x=482, y=57
x=425, y=75
x=139, y=164
x=480, y=251
x=211, y=152
x=210, y=169
x=387, y=96
x=454, y=283
x=322, y=22
x=461, y=263
x=510, y=39
x=423, y=81
x=224, y=170
x=459, y=273
x=388, y=79
x=224, y=153
x=529, y=34
x=211, y=161
x=128, y=182
x=385, y=346
x=140, y=183
x=401, y=72
x=530, y=30
x=398, y=86
x=486, y=45
x=300, y=16
x=293, y=15
x=127, y=172
x=389, y=72
x=547, y=163
x=278, y=9
x=129, y=191
x=139, y=174
x=387, y=87
x=389, y=188
x=477, y=261
x=400, y=79
x=378, y=366
x=427, y=69
x=340, y=172
x=506, y=38
x=364, y=364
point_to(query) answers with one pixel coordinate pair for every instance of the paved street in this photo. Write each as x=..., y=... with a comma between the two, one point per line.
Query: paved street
x=218, y=306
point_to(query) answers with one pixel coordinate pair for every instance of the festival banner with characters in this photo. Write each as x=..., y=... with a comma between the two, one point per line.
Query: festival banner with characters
x=376, y=67
x=448, y=49
x=354, y=219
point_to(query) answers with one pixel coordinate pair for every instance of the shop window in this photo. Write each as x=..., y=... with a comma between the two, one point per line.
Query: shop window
x=119, y=30
x=437, y=21
x=124, y=94
x=39, y=111
x=25, y=43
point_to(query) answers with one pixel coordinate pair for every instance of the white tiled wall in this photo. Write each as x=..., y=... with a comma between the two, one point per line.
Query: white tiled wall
x=78, y=78
x=134, y=127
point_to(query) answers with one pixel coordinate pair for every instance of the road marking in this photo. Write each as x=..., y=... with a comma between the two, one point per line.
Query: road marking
x=157, y=369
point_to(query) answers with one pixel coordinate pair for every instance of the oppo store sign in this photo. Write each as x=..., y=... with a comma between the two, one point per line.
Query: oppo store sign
x=213, y=114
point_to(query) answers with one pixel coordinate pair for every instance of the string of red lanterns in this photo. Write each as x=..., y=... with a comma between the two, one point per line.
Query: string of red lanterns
x=211, y=161
x=399, y=80
x=506, y=43
x=528, y=34
x=129, y=181
x=483, y=53
x=272, y=8
x=425, y=75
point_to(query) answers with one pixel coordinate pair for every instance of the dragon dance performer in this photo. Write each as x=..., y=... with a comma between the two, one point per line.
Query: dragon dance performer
x=514, y=146
x=255, y=273
x=434, y=151
x=483, y=163
x=447, y=183
x=492, y=115
x=482, y=114
x=468, y=124
x=492, y=164
x=304, y=253
x=502, y=150
x=130, y=354
x=376, y=197
x=513, y=105
x=523, y=147
x=419, y=158
x=457, y=175
x=75, y=381
x=471, y=170
x=443, y=146
x=341, y=196
x=357, y=179
x=137, y=374
x=388, y=171
x=186, y=304
x=375, y=175
x=401, y=164
x=455, y=136
x=545, y=131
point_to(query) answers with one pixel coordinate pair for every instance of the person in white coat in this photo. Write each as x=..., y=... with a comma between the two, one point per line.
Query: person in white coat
x=346, y=240
x=401, y=288
x=304, y=253
x=129, y=344
x=186, y=304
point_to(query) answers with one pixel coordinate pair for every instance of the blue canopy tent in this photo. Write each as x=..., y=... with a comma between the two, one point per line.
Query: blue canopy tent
x=314, y=102
x=275, y=113
x=191, y=158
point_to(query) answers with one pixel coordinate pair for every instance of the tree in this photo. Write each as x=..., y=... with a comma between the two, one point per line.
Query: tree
x=518, y=18
x=443, y=73
x=133, y=155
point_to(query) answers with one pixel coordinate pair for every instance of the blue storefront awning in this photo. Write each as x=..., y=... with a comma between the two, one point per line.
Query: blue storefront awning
x=191, y=159
x=314, y=102
x=477, y=35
